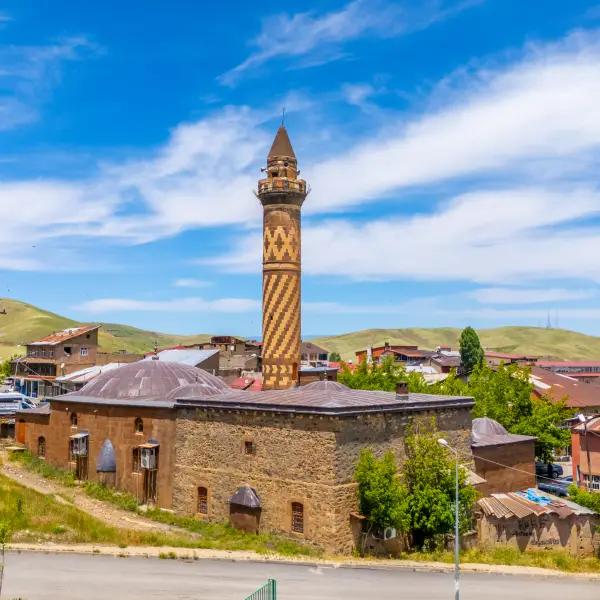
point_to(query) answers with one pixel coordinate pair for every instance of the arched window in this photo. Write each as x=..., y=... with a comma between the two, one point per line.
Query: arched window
x=202, y=500
x=73, y=419
x=138, y=426
x=41, y=450
x=297, y=517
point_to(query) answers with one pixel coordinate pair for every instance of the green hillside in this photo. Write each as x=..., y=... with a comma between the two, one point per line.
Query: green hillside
x=24, y=323
x=550, y=343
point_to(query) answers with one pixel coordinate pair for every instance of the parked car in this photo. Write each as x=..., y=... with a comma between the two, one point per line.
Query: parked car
x=550, y=470
x=558, y=488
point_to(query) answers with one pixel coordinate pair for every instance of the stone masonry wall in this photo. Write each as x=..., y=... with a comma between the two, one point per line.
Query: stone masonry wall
x=297, y=458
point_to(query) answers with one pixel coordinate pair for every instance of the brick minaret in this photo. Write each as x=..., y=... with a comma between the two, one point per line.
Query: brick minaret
x=281, y=194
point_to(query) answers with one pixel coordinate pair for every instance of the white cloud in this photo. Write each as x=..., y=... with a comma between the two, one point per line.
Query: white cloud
x=188, y=282
x=319, y=38
x=488, y=237
x=28, y=73
x=546, y=107
x=221, y=305
x=542, y=108
x=509, y=295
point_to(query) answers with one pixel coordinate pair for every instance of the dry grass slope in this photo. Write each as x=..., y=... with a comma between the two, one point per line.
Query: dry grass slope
x=551, y=343
x=25, y=322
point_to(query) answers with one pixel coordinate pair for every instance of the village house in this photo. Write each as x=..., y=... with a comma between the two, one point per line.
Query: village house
x=313, y=355
x=585, y=448
x=495, y=359
x=505, y=461
x=56, y=354
x=585, y=371
x=580, y=396
x=408, y=355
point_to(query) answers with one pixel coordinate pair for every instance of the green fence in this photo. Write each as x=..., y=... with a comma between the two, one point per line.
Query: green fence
x=266, y=592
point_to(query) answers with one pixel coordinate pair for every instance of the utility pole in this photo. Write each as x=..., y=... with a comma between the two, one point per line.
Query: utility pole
x=443, y=442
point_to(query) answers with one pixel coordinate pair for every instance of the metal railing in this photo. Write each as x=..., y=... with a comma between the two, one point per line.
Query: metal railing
x=266, y=592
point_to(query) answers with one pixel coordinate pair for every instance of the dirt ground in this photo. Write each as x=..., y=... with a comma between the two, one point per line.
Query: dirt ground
x=105, y=512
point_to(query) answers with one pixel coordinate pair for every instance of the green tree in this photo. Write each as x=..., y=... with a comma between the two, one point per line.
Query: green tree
x=335, y=357
x=502, y=394
x=471, y=352
x=429, y=477
x=585, y=497
x=383, y=376
x=382, y=498
x=5, y=369
x=544, y=423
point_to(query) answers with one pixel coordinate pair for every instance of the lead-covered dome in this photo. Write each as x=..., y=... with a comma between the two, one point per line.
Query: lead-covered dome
x=148, y=380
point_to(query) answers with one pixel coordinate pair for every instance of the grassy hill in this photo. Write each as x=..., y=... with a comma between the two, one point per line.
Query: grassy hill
x=24, y=323
x=551, y=343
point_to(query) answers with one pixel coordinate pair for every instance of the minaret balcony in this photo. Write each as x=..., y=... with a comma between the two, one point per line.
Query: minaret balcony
x=281, y=184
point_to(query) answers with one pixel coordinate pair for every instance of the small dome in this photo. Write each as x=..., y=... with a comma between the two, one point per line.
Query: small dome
x=143, y=380
x=328, y=386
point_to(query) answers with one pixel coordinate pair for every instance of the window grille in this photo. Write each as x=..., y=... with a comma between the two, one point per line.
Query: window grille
x=202, y=500
x=297, y=517
x=136, y=460
x=41, y=447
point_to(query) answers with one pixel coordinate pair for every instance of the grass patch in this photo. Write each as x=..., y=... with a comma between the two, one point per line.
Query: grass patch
x=41, y=467
x=547, y=559
x=217, y=536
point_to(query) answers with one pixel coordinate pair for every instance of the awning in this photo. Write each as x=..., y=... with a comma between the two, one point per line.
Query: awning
x=246, y=496
x=78, y=436
x=149, y=445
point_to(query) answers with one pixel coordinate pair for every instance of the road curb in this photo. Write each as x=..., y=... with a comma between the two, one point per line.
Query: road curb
x=191, y=554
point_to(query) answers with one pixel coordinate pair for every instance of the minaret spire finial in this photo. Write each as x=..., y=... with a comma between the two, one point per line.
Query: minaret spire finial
x=283, y=117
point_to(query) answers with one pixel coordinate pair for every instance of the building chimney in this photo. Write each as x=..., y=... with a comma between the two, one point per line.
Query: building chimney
x=402, y=388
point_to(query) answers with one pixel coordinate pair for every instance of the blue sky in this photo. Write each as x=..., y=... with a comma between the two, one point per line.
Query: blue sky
x=452, y=148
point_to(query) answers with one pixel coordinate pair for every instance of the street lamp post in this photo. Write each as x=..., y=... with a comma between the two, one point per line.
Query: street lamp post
x=444, y=443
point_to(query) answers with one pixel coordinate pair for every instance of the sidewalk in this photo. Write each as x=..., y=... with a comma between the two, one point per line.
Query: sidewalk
x=237, y=555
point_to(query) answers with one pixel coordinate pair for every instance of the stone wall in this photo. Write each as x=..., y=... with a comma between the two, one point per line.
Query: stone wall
x=301, y=458
x=575, y=534
x=116, y=423
x=515, y=471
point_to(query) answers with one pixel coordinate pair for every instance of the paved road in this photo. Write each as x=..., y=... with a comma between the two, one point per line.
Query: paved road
x=36, y=576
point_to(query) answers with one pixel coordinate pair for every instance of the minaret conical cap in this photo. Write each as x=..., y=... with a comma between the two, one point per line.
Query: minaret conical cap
x=282, y=145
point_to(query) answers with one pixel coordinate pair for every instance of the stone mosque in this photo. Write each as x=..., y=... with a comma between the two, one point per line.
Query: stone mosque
x=281, y=459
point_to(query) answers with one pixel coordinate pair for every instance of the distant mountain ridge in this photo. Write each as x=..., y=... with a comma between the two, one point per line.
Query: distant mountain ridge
x=536, y=341
x=24, y=323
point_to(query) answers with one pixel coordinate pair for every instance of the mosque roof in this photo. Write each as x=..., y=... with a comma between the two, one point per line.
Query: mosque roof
x=325, y=397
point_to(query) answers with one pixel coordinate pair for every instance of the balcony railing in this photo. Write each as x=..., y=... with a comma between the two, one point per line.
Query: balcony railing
x=40, y=353
x=279, y=184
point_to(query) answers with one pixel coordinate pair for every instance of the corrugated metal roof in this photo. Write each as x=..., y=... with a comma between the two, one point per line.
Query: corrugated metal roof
x=487, y=432
x=192, y=357
x=87, y=374
x=531, y=502
x=66, y=334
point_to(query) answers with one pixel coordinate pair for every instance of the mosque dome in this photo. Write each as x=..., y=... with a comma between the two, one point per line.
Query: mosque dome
x=149, y=380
